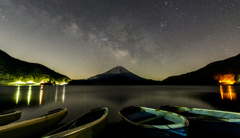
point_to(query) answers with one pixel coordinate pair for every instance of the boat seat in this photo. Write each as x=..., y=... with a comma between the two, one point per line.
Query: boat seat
x=194, y=115
x=87, y=119
x=148, y=119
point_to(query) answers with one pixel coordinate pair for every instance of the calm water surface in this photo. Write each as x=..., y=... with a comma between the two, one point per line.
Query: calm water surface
x=34, y=101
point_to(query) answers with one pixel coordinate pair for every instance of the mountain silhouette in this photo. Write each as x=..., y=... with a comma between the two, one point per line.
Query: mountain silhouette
x=115, y=72
x=116, y=75
x=213, y=73
x=13, y=70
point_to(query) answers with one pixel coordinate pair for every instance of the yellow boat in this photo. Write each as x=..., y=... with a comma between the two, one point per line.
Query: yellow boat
x=32, y=127
x=88, y=125
x=8, y=117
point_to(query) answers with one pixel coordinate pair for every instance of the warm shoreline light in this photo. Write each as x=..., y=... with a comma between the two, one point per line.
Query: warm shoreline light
x=226, y=82
x=226, y=79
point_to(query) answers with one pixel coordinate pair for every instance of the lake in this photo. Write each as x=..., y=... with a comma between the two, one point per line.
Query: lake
x=35, y=101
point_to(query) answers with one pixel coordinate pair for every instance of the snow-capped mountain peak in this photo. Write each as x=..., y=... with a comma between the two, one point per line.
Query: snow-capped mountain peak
x=117, y=70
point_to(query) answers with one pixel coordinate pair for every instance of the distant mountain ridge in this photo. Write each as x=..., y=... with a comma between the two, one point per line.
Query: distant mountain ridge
x=117, y=71
x=116, y=75
x=219, y=72
x=13, y=70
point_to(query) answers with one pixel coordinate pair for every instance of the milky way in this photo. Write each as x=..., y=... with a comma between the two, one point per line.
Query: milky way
x=151, y=38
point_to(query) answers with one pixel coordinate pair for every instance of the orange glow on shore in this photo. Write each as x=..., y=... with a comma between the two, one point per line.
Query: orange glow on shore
x=226, y=79
x=229, y=94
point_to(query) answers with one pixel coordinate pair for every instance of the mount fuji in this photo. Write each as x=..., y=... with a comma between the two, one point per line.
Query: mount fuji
x=118, y=72
x=115, y=76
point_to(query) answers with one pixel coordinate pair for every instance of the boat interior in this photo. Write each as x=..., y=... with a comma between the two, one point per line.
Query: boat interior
x=88, y=117
x=52, y=112
x=82, y=120
x=7, y=112
x=138, y=115
x=189, y=113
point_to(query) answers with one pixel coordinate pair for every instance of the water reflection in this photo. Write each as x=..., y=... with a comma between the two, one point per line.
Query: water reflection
x=228, y=92
x=56, y=94
x=63, y=95
x=17, y=94
x=41, y=95
x=29, y=94
x=46, y=98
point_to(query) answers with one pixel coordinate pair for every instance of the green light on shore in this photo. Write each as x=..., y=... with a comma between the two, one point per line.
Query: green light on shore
x=19, y=82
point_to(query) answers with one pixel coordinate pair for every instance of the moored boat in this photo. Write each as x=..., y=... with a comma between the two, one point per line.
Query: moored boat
x=8, y=117
x=218, y=122
x=32, y=127
x=88, y=125
x=155, y=123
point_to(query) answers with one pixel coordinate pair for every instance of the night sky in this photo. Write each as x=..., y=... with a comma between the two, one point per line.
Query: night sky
x=151, y=38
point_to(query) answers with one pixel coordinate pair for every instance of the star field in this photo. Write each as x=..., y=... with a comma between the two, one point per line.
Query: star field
x=151, y=38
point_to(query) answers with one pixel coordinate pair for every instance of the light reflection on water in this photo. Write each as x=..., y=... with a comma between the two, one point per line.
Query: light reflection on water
x=63, y=95
x=17, y=94
x=228, y=92
x=35, y=101
x=29, y=94
x=41, y=95
x=56, y=93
